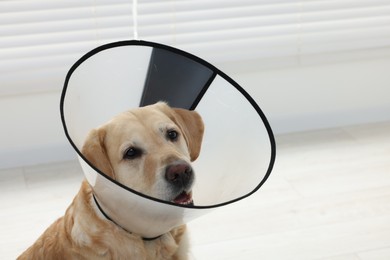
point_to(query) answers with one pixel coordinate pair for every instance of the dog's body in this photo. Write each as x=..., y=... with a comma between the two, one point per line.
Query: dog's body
x=83, y=233
x=148, y=149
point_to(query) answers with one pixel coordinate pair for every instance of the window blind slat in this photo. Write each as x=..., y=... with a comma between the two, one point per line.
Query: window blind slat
x=159, y=7
x=324, y=5
x=331, y=15
x=255, y=11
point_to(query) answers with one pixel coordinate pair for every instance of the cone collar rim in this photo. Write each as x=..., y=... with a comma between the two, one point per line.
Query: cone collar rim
x=215, y=70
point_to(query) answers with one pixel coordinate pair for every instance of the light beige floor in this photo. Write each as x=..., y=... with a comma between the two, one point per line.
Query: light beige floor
x=327, y=199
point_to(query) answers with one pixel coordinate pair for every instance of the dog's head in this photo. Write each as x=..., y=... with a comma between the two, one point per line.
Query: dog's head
x=149, y=149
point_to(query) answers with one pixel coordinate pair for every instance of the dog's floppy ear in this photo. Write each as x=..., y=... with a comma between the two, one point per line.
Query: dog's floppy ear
x=191, y=124
x=95, y=152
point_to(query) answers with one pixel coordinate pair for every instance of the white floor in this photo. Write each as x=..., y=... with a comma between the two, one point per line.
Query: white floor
x=328, y=198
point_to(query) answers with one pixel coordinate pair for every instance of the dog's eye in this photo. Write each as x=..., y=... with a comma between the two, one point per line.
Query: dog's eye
x=172, y=135
x=132, y=153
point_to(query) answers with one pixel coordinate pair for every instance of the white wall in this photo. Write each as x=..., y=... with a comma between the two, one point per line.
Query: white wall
x=31, y=130
x=294, y=99
x=322, y=96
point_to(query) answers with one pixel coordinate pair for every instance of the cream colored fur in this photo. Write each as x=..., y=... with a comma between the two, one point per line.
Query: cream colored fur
x=83, y=232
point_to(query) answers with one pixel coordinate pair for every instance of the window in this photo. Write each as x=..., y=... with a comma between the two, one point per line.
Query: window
x=41, y=39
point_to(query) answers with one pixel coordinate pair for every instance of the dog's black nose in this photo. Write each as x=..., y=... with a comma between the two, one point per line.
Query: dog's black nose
x=179, y=174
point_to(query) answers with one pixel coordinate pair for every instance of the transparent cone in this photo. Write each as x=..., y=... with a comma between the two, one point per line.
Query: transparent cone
x=238, y=149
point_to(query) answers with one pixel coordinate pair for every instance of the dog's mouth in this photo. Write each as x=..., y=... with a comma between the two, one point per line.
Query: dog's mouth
x=184, y=198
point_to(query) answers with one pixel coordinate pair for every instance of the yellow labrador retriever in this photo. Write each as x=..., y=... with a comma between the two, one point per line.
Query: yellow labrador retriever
x=148, y=149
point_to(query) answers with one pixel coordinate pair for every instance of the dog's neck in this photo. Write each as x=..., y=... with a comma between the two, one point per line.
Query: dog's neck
x=102, y=214
x=88, y=230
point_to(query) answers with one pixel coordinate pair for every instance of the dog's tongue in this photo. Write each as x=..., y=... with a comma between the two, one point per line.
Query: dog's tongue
x=184, y=198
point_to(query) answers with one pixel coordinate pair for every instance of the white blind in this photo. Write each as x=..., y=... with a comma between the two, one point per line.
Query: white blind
x=41, y=39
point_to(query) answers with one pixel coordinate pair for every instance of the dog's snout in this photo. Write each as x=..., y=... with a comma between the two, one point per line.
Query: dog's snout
x=179, y=174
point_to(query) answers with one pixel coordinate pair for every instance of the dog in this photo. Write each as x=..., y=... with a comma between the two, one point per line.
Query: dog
x=149, y=149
